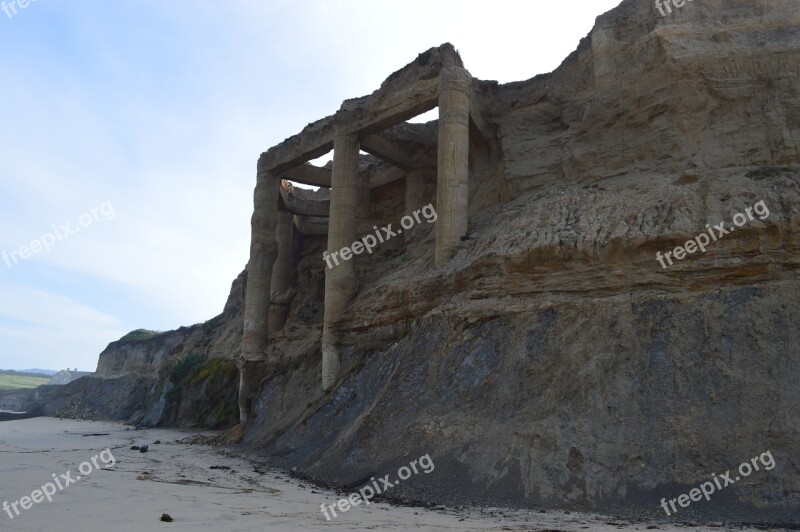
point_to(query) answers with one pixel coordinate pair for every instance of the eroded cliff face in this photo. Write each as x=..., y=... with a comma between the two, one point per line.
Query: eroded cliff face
x=185, y=377
x=555, y=361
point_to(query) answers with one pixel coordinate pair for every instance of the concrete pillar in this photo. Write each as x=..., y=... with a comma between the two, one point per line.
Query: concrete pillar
x=283, y=272
x=340, y=281
x=415, y=198
x=452, y=196
x=263, y=250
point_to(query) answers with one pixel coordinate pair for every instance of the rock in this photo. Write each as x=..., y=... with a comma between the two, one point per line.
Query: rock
x=144, y=448
x=166, y=518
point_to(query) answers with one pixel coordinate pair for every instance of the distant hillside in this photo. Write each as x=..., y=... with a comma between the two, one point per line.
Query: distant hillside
x=21, y=382
x=39, y=373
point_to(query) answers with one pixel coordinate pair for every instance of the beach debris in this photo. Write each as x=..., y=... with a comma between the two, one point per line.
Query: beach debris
x=134, y=447
x=226, y=468
x=166, y=518
x=144, y=448
x=98, y=434
x=156, y=442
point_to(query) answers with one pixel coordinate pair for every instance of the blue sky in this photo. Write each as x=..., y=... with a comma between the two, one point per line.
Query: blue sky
x=156, y=111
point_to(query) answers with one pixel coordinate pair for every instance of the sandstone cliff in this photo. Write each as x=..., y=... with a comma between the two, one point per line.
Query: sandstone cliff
x=184, y=377
x=554, y=361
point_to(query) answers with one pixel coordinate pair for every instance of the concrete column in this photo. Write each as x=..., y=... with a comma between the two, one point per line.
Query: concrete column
x=452, y=196
x=283, y=273
x=263, y=250
x=340, y=281
x=415, y=197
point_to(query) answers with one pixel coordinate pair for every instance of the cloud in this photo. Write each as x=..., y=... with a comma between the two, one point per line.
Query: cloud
x=38, y=326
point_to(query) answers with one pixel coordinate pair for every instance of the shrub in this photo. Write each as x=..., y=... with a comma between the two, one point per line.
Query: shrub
x=174, y=394
x=186, y=367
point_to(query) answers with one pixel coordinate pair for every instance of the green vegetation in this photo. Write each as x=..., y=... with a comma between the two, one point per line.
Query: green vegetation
x=139, y=335
x=208, y=386
x=225, y=412
x=214, y=370
x=21, y=382
x=185, y=368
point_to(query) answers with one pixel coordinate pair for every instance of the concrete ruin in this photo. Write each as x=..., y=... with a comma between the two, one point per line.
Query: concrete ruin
x=398, y=150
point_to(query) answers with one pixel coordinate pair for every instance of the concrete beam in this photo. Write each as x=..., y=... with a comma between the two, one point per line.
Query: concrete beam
x=308, y=174
x=409, y=92
x=380, y=146
x=405, y=145
x=383, y=175
x=366, y=116
x=314, y=141
x=377, y=175
x=360, y=117
x=306, y=202
x=311, y=226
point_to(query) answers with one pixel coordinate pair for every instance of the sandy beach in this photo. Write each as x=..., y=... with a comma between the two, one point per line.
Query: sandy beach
x=203, y=488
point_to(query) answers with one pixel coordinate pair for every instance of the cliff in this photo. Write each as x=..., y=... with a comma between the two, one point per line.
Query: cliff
x=184, y=377
x=557, y=360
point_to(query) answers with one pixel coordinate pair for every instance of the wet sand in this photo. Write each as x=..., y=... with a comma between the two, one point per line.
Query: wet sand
x=175, y=477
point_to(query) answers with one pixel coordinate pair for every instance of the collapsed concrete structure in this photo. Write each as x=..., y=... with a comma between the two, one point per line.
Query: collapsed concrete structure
x=376, y=124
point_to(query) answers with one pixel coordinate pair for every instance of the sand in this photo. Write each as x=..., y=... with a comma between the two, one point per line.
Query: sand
x=175, y=477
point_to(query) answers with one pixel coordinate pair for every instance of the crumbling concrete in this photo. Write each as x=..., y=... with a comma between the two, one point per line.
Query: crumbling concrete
x=398, y=150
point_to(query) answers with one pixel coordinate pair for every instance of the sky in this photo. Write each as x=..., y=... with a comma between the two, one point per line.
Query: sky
x=130, y=131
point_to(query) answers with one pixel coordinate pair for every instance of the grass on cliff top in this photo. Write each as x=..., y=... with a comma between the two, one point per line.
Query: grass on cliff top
x=139, y=335
x=17, y=382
